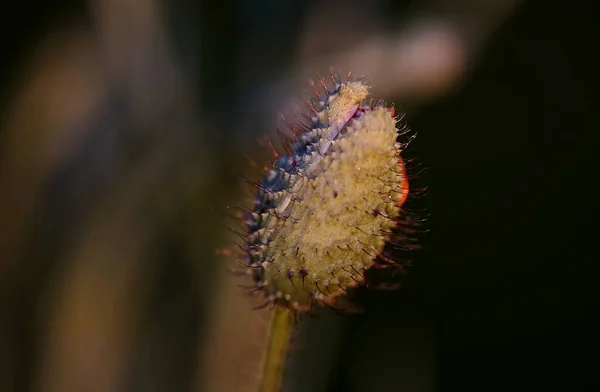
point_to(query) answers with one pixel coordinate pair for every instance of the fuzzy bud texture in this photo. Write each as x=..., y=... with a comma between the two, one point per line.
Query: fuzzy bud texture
x=323, y=213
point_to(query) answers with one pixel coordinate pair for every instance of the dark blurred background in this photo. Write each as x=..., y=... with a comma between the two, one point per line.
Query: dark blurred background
x=123, y=129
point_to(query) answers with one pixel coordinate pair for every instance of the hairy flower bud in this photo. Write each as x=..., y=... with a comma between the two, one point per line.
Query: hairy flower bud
x=324, y=212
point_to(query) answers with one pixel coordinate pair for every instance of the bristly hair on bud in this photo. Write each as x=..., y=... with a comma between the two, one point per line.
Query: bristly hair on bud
x=331, y=207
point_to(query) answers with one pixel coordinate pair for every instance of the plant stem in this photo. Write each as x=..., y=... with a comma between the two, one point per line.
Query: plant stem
x=274, y=358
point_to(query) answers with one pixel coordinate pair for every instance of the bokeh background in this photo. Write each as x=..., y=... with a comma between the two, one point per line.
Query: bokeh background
x=124, y=126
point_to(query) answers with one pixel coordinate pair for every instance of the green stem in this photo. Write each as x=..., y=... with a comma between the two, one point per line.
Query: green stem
x=278, y=338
